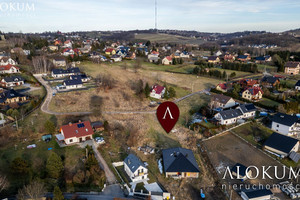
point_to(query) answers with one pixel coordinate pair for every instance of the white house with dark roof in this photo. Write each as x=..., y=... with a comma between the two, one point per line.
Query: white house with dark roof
x=227, y=117
x=180, y=163
x=59, y=73
x=248, y=110
x=135, y=168
x=281, y=145
x=286, y=124
x=261, y=194
x=297, y=85
x=12, y=81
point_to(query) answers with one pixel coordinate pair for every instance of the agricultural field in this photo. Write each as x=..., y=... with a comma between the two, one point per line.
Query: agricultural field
x=166, y=38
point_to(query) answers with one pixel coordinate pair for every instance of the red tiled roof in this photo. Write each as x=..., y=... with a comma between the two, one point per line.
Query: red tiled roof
x=223, y=86
x=80, y=129
x=7, y=67
x=169, y=58
x=109, y=50
x=255, y=90
x=158, y=89
x=154, y=52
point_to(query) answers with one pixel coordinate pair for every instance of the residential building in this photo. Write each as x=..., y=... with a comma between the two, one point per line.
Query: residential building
x=244, y=58
x=227, y=117
x=263, y=59
x=11, y=96
x=229, y=57
x=9, y=69
x=246, y=83
x=68, y=52
x=157, y=91
x=110, y=51
x=213, y=59
x=270, y=81
x=130, y=56
x=297, y=85
x=59, y=62
x=53, y=48
x=68, y=44
x=98, y=126
x=253, y=94
x=75, y=133
x=7, y=61
x=135, y=168
x=240, y=171
x=221, y=101
x=72, y=84
x=153, y=59
x=12, y=81
x=180, y=163
x=167, y=60
x=82, y=77
x=281, y=145
x=286, y=124
x=116, y=58
x=292, y=68
x=260, y=194
x=222, y=87
x=59, y=73
x=248, y=110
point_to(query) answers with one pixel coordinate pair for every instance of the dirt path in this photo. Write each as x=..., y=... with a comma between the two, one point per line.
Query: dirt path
x=110, y=177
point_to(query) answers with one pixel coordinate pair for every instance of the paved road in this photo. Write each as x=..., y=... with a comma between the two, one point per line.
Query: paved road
x=45, y=105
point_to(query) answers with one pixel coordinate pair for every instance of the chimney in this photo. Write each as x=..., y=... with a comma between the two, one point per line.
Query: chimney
x=129, y=161
x=70, y=123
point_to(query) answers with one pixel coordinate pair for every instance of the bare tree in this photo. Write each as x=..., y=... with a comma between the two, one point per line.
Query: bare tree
x=104, y=81
x=41, y=64
x=35, y=190
x=137, y=65
x=3, y=183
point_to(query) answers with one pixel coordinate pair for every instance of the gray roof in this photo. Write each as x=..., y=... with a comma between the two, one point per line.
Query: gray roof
x=281, y=142
x=133, y=162
x=75, y=70
x=73, y=82
x=232, y=113
x=249, y=107
x=9, y=94
x=285, y=119
x=13, y=79
x=179, y=160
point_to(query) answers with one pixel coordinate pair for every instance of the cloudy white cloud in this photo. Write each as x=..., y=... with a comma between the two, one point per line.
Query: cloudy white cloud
x=201, y=15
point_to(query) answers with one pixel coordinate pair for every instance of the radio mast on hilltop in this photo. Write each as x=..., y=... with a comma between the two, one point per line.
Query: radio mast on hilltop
x=156, y=15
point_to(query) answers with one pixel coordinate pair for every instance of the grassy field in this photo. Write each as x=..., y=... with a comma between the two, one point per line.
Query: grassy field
x=268, y=102
x=37, y=158
x=261, y=68
x=167, y=38
x=238, y=73
x=251, y=130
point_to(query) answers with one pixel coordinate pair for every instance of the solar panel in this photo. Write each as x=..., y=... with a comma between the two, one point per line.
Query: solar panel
x=80, y=125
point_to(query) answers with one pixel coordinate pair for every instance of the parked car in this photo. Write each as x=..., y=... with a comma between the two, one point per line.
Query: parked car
x=99, y=140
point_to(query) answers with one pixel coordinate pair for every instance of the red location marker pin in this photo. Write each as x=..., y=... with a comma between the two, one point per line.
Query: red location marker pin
x=167, y=114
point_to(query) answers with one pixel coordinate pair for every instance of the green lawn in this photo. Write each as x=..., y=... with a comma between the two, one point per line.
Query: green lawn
x=238, y=73
x=262, y=67
x=268, y=102
x=251, y=130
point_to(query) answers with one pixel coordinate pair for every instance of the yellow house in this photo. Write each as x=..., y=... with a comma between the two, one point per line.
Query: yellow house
x=11, y=96
x=213, y=59
x=110, y=51
x=253, y=94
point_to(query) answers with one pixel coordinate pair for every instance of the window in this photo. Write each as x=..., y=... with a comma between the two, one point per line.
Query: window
x=225, y=122
x=277, y=125
x=70, y=140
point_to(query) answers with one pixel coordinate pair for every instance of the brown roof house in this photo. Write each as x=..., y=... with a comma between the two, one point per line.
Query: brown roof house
x=292, y=68
x=221, y=101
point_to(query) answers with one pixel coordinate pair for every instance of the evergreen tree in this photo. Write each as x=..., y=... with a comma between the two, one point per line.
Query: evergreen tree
x=147, y=90
x=57, y=194
x=54, y=166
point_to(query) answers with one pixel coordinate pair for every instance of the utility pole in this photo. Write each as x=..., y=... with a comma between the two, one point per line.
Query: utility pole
x=16, y=122
x=156, y=15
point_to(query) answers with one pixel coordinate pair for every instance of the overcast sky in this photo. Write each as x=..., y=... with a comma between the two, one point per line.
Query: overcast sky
x=199, y=15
